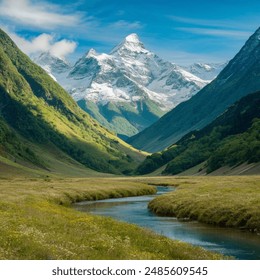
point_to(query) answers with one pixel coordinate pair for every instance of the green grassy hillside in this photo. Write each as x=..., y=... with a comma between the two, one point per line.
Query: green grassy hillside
x=126, y=119
x=233, y=138
x=36, y=112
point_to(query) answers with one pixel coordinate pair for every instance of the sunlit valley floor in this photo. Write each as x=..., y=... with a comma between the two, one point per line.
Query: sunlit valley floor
x=38, y=221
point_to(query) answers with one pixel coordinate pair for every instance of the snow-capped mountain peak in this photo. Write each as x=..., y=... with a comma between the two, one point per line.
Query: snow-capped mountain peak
x=99, y=57
x=53, y=65
x=133, y=38
x=131, y=44
x=131, y=78
x=92, y=52
x=130, y=70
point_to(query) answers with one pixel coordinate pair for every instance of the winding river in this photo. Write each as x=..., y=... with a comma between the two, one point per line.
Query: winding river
x=240, y=244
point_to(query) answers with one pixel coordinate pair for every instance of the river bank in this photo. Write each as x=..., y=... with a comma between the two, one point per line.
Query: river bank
x=38, y=223
x=221, y=201
x=239, y=244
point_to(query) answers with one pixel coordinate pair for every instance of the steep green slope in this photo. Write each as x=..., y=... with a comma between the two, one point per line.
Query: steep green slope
x=126, y=119
x=239, y=78
x=233, y=138
x=34, y=110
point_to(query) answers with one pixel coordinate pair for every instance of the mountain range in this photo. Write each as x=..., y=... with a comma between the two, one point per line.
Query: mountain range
x=239, y=78
x=206, y=71
x=130, y=88
x=43, y=128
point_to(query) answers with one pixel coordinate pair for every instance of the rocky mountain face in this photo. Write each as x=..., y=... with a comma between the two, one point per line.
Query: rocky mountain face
x=126, y=90
x=239, y=78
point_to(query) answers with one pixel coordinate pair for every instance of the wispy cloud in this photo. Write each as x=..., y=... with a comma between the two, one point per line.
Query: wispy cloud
x=216, y=32
x=181, y=56
x=126, y=24
x=37, y=14
x=212, y=27
x=43, y=16
x=108, y=34
x=44, y=43
x=207, y=22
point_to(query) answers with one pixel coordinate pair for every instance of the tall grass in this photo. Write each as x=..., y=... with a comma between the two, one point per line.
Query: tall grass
x=37, y=223
x=223, y=201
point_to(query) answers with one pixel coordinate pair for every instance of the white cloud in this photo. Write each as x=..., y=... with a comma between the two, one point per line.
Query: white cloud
x=38, y=14
x=44, y=43
x=62, y=48
x=45, y=16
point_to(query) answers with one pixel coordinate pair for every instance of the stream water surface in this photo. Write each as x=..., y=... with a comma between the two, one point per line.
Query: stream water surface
x=240, y=244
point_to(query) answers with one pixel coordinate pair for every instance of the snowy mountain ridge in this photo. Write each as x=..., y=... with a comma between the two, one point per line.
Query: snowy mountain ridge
x=129, y=76
x=205, y=71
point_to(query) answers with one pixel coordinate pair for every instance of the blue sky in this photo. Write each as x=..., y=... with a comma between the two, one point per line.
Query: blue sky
x=184, y=31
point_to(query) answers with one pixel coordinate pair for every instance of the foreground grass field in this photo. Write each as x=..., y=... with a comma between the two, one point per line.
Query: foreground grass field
x=223, y=201
x=37, y=223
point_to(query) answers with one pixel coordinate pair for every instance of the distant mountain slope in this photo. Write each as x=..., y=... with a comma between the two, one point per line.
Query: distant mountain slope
x=232, y=139
x=35, y=112
x=239, y=78
x=206, y=71
x=126, y=90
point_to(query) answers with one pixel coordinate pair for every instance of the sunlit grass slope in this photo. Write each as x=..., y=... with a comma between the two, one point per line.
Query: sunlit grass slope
x=35, y=110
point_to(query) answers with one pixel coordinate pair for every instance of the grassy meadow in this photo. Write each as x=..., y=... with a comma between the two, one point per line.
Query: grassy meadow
x=231, y=201
x=37, y=222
